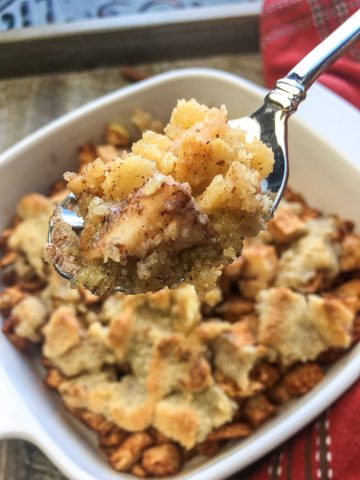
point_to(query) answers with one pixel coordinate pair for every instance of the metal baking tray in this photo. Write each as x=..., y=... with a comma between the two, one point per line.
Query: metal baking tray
x=128, y=39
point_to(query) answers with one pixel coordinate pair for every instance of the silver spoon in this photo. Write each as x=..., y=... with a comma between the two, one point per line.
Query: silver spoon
x=269, y=123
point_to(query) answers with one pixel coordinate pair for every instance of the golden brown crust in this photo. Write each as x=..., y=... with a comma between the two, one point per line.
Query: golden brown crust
x=211, y=330
x=190, y=418
x=265, y=374
x=236, y=353
x=162, y=460
x=208, y=448
x=305, y=212
x=278, y=394
x=190, y=366
x=315, y=252
x=62, y=332
x=229, y=432
x=296, y=382
x=9, y=329
x=159, y=438
x=29, y=235
x=96, y=422
x=4, y=237
x=259, y=270
x=139, y=471
x=299, y=327
x=130, y=450
x=117, y=135
x=350, y=253
x=257, y=409
x=178, y=420
x=30, y=314
x=108, y=153
x=32, y=205
x=54, y=379
x=286, y=225
x=234, y=308
x=230, y=276
x=144, y=122
x=10, y=296
x=355, y=336
x=125, y=403
x=349, y=289
x=112, y=438
x=302, y=378
x=8, y=259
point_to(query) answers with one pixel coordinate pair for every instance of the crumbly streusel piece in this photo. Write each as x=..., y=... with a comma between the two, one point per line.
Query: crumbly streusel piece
x=287, y=225
x=259, y=270
x=71, y=347
x=30, y=314
x=316, y=252
x=160, y=340
x=236, y=352
x=125, y=402
x=28, y=236
x=176, y=208
x=300, y=327
x=302, y=250
x=189, y=418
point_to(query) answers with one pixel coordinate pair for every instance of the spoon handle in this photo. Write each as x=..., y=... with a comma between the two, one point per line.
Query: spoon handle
x=291, y=90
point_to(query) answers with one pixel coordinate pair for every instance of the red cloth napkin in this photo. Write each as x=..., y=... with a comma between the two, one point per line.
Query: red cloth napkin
x=328, y=448
x=289, y=29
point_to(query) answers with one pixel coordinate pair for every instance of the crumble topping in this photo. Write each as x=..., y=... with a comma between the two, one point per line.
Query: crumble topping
x=190, y=418
x=30, y=315
x=236, y=352
x=300, y=327
x=174, y=209
x=315, y=252
x=163, y=377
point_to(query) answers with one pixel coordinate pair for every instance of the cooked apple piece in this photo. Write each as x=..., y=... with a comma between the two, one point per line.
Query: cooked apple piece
x=161, y=214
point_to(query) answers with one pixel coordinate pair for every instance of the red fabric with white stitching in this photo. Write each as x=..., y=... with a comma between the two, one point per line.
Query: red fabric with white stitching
x=327, y=449
x=289, y=29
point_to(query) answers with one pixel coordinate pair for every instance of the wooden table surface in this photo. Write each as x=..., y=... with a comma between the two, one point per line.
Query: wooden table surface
x=29, y=103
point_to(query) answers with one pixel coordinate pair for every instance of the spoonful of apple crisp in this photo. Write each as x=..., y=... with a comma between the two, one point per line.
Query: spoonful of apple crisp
x=176, y=206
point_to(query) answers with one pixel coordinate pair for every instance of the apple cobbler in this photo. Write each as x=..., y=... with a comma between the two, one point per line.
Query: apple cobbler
x=164, y=377
x=173, y=208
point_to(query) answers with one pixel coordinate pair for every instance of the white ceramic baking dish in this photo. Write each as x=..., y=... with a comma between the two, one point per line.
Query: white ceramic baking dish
x=325, y=166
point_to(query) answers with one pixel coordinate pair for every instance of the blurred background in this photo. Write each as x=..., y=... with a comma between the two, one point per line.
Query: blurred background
x=27, y=13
